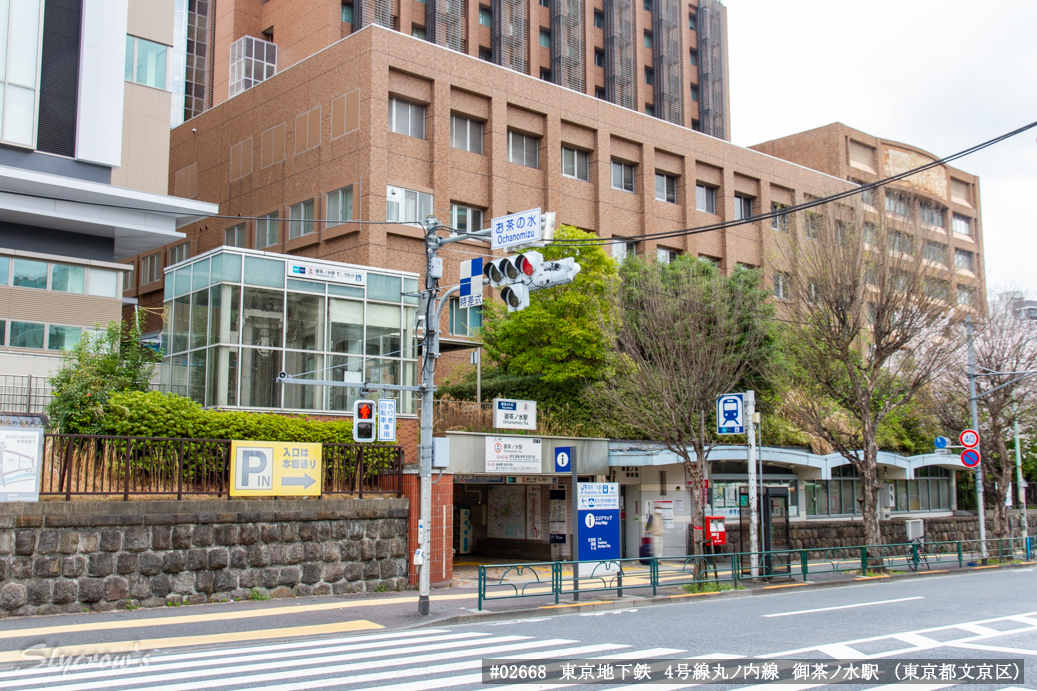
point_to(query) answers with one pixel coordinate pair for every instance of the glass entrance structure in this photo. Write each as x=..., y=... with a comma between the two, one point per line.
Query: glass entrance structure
x=234, y=318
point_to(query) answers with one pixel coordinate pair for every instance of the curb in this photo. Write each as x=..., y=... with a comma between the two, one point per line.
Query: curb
x=576, y=608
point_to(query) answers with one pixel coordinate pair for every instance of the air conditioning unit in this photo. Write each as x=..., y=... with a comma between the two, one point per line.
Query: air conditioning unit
x=915, y=528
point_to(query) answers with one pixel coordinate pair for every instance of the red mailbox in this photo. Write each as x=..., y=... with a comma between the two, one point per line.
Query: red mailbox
x=716, y=530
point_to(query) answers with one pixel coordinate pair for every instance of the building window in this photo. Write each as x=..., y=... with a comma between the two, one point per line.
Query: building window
x=695, y=126
x=622, y=176
x=715, y=261
x=65, y=278
x=648, y=5
x=666, y=188
x=466, y=134
x=406, y=118
x=340, y=206
x=145, y=62
x=599, y=92
x=665, y=256
x=486, y=54
x=936, y=289
x=693, y=21
x=417, y=31
x=407, y=206
x=523, y=149
x=963, y=259
x=267, y=233
x=599, y=57
x=706, y=198
x=150, y=268
x=300, y=219
x=933, y=215
x=26, y=335
x=464, y=322
x=648, y=39
x=129, y=278
x=235, y=236
x=935, y=252
x=782, y=286
x=63, y=337
x=966, y=296
x=599, y=19
x=650, y=110
x=485, y=16
x=780, y=222
x=545, y=3
x=465, y=219
x=902, y=242
x=252, y=61
x=896, y=204
x=347, y=12
x=545, y=74
x=545, y=38
x=19, y=68
x=961, y=224
x=575, y=163
x=743, y=207
x=694, y=93
x=179, y=253
x=623, y=250
x=694, y=58
x=649, y=76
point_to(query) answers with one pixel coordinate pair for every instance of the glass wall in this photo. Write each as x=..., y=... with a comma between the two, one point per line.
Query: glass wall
x=234, y=320
x=929, y=491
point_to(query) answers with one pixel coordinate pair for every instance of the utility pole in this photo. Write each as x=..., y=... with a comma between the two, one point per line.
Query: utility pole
x=973, y=406
x=1020, y=484
x=754, y=514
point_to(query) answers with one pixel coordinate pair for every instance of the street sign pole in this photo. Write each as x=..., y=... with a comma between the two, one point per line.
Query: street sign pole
x=973, y=406
x=1020, y=484
x=574, y=549
x=754, y=531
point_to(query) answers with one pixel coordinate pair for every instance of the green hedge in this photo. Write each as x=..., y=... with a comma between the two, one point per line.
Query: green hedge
x=156, y=414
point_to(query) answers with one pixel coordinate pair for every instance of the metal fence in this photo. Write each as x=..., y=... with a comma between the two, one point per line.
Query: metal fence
x=715, y=572
x=78, y=465
x=24, y=393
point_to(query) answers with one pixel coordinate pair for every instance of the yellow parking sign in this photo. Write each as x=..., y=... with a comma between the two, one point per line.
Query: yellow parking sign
x=275, y=469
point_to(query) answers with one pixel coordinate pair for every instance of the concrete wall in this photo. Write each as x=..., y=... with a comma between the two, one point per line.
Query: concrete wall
x=67, y=557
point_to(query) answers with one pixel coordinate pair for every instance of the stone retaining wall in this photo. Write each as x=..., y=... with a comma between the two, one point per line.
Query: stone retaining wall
x=68, y=557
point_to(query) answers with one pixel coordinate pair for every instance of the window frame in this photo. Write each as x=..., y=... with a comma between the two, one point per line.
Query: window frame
x=545, y=38
x=526, y=139
x=576, y=155
x=151, y=271
x=599, y=19
x=669, y=187
x=779, y=222
x=957, y=220
x=412, y=108
x=132, y=62
x=183, y=248
x=649, y=39
x=422, y=201
x=330, y=201
x=959, y=263
x=301, y=225
x=664, y=255
x=627, y=174
x=741, y=201
x=486, y=12
x=782, y=286
x=469, y=212
x=239, y=230
x=263, y=227
x=705, y=198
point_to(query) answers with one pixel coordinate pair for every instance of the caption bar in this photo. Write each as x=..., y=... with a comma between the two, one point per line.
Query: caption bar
x=748, y=670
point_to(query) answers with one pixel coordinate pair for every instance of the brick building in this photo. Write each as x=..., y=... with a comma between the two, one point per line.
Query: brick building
x=665, y=58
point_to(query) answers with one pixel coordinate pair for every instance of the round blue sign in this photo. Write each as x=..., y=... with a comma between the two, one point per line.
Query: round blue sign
x=941, y=442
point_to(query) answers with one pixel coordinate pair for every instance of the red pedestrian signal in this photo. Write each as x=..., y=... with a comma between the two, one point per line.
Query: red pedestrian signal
x=364, y=429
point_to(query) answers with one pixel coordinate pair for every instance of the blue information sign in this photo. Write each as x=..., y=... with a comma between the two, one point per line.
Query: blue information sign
x=598, y=514
x=563, y=459
x=941, y=442
x=730, y=414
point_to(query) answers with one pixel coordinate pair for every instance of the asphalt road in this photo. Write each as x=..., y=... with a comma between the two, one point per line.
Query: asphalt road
x=332, y=644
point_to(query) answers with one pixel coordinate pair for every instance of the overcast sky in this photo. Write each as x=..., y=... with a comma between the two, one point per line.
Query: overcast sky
x=942, y=75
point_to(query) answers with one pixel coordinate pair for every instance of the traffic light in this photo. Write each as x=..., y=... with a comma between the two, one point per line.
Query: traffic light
x=364, y=428
x=516, y=297
x=516, y=275
x=556, y=273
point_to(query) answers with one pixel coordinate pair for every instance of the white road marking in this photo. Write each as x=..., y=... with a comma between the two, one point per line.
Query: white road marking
x=993, y=648
x=829, y=609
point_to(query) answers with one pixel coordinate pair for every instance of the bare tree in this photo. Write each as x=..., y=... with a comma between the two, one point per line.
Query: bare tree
x=1004, y=342
x=872, y=325
x=683, y=334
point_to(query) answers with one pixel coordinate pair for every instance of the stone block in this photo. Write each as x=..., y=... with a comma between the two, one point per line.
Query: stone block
x=197, y=560
x=100, y=564
x=13, y=596
x=24, y=542
x=332, y=572
x=150, y=564
x=331, y=550
x=4, y=569
x=183, y=582
x=397, y=547
x=323, y=531
x=203, y=536
x=91, y=590
x=181, y=537
x=139, y=586
x=387, y=568
x=39, y=592
x=289, y=532
x=339, y=529
x=372, y=529
x=68, y=542
x=371, y=570
x=218, y=558
x=303, y=590
x=173, y=562
x=322, y=589
x=225, y=580
x=367, y=551
x=127, y=563
x=307, y=531
x=203, y=581
x=47, y=567
x=293, y=553
x=270, y=533
x=312, y=551
x=6, y=541
x=248, y=579
x=227, y=534
x=65, y=591
x=381, y=549
x=162, y=537
x=340, y=588
x=248, y=534
x=73, y=567
x=311, y=573
x=47, y=543
x=162, y=585
x=89, y=542
x=116, y=588
x=137, y=539
x=239, y=558
x=268, y=576
x=111, y=541
x=282, y=591
x=197, y=599
x=289, y=575
x=350, y=550
x=352, y=571
x=387, y=529
x=258, y=555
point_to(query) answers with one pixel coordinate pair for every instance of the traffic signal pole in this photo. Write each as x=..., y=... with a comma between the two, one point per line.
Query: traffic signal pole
x=974, y=409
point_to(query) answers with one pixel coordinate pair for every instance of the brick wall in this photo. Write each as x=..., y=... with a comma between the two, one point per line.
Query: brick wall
x=442, y=557
x=67, y=557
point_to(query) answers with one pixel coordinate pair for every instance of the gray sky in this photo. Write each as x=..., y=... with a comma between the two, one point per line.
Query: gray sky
x=941, y=75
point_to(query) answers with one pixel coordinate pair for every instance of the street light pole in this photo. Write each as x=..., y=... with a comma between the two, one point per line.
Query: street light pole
x=1019, y=471
x=973, y=406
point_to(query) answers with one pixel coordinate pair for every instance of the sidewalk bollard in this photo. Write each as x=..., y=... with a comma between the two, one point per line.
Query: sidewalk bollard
x=803, y=564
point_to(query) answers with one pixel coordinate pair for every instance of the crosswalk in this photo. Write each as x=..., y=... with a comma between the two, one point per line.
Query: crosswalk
x=418, y=660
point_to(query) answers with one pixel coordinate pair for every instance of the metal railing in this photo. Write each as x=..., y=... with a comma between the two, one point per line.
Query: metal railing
x=24, y=393
x=723, y=571
x=78, y=465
